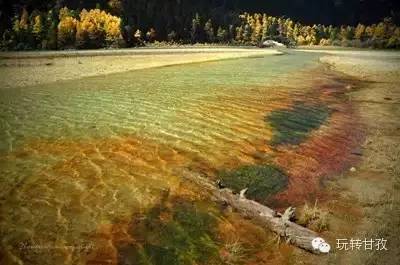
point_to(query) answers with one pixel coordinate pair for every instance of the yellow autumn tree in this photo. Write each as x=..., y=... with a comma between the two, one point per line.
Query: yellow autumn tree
x=265, y=26
x=97, y=28
x=394, y=40
x=66, y=29
x=21, y=24
x=112, y=26
x=92, y=25
x=257, y=28
x=289, y=28
x=301, y=40
x=380, y=31
x=24, y=21
x=37, y=28
x=310, y=36
x=359, y=32
x=22, y=34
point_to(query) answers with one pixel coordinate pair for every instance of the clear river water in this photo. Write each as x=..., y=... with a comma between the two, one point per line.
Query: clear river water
x=78, y=157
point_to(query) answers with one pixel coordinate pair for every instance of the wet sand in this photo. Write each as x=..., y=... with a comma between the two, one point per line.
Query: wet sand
x=34, y=68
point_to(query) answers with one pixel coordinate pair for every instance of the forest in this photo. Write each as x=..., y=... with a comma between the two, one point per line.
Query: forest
x=67, y=24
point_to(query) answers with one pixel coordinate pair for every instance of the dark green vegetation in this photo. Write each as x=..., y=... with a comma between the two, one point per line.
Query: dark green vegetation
x=180, y=234
x=261, y=181
x=152, y=13
x=291, y=126
x=32, y=24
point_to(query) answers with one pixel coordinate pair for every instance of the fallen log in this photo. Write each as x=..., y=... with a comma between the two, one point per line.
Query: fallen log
x=293, y=233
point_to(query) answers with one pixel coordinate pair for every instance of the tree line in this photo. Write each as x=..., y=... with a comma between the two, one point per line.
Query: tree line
x=119, y=23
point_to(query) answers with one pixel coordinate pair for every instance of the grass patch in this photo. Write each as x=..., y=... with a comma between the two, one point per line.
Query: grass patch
x=180, y=233
x=314, y=218
x=261, y=181
x=235, y=253
x=291, y=126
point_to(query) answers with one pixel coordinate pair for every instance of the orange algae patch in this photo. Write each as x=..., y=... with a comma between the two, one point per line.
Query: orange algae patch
x=229, y=239
x=107, y=237
x=83, y=186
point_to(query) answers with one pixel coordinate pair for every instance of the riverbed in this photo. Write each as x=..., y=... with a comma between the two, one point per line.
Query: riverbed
x=92, y=165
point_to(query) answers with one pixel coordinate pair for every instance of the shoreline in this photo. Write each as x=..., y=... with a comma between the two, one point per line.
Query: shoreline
x=366, y=66
x=37, y=68
x=132, y=51
x=372, y=186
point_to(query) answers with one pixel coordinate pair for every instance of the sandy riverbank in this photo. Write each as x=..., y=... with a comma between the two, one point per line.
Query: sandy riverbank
x=372, y=190
x=351, y=52
x=33, y=68
x=366, y=67
x=364, y=64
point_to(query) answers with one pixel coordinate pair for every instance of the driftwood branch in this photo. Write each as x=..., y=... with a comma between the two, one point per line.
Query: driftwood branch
x=280, y=224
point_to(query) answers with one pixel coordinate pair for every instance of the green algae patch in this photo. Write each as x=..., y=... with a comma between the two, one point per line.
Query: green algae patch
x=262, y=181
x=291, y=126
x=178, y=233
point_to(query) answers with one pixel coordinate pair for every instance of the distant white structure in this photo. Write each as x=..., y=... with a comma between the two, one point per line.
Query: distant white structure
x=272, y=43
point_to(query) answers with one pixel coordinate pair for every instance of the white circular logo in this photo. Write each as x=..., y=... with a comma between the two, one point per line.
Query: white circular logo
x=324, y=247
x=316, y=242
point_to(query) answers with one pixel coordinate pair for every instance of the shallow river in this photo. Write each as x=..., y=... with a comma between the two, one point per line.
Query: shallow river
x=78, y=156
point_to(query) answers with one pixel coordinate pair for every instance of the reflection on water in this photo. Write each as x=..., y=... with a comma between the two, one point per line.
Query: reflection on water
x=78, y=156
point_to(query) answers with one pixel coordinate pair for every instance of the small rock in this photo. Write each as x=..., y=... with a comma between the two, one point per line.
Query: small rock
x=353, y=169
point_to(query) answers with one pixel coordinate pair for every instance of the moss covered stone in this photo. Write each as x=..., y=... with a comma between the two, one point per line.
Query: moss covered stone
x=262, y=181
x=291, y=126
